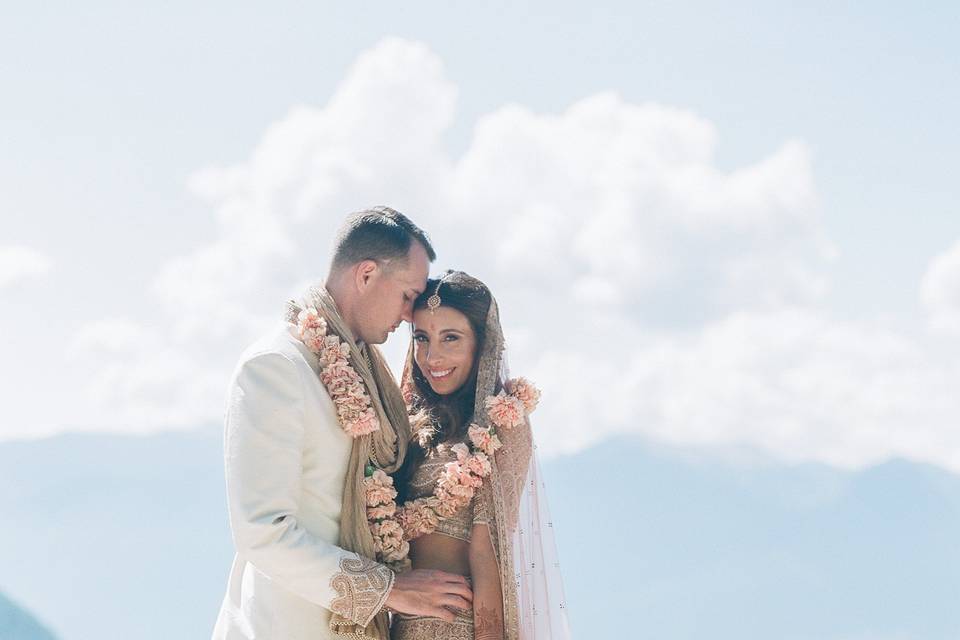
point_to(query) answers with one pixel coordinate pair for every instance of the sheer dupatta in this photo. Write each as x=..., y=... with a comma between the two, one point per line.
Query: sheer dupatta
x=521, y=530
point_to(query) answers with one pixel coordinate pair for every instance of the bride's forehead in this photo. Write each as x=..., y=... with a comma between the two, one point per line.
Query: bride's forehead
x=440, y=319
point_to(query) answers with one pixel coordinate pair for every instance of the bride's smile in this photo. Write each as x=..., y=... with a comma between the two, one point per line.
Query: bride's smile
x=445, y=347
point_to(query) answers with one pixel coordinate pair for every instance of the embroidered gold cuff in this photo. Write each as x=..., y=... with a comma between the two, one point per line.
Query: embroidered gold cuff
x=362, y=587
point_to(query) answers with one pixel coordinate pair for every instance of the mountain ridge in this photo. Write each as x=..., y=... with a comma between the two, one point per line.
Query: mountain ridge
x=16, y=623
x=674, y=543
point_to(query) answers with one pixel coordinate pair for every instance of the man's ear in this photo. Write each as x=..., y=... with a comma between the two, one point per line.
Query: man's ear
x=365, y=273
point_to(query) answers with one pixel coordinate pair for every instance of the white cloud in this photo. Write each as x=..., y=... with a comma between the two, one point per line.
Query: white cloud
x=794, y=384
x=378, y=139
x=940, y=290
x=22, y=263
x=628, y=195
x=645, y=289
x=140, y=379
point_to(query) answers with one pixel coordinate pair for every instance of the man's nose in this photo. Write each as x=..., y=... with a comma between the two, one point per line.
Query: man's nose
x=407, y=313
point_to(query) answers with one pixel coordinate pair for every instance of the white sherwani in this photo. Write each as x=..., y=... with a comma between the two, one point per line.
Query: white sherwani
x=286, y=460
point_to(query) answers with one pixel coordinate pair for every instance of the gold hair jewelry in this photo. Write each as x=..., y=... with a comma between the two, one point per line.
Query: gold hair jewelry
x=434, y=301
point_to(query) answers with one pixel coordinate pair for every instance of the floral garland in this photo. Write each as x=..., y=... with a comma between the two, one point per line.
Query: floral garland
x=358, y=418
x=383, y=519
x=354, y=409
x=459, y=480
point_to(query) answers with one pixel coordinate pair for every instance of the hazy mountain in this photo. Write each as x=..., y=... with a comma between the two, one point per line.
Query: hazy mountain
x=17, y=624
x=697, y=549
x=116, y=537
x=124, y=537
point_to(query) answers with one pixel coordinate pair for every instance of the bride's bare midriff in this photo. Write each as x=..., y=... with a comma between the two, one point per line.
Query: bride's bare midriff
x=441, y=552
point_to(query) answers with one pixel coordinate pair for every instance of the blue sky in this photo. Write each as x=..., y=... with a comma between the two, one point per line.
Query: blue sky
x=757, y=199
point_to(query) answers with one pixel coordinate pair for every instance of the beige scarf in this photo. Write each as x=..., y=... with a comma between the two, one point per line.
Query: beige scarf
x=385, y=448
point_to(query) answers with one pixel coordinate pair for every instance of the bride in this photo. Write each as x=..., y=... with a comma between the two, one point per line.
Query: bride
x=473, y=502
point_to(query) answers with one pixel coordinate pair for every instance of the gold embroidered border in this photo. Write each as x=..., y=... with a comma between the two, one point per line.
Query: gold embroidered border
x=423, y=628
x=362, y=586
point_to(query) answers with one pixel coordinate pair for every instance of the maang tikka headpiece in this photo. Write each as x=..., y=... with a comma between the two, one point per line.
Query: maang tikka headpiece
x=434, y=301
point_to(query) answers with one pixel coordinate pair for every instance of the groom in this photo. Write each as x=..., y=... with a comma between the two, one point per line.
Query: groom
x=304, y=565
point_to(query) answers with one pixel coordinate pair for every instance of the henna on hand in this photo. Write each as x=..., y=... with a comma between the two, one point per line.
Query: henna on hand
x=488, y=623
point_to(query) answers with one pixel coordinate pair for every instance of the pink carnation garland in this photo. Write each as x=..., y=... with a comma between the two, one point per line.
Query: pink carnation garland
x=354, y=409
x=357, y=418
x=460, y=479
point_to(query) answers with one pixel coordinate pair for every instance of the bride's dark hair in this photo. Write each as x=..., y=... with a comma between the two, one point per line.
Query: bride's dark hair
x=445, y=418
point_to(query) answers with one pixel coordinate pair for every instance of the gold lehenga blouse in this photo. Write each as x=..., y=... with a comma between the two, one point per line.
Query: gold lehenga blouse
x=423, y=483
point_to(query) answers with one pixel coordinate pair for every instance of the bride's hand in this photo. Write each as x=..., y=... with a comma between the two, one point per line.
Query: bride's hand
x=427, y=592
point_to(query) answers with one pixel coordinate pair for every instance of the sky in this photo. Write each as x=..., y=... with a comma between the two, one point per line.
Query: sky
x=727, y=228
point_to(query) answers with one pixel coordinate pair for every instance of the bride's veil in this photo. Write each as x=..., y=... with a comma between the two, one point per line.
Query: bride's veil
x=521, y=530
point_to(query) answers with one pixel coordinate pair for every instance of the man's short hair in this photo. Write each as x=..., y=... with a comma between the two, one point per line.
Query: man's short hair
x=380, y=234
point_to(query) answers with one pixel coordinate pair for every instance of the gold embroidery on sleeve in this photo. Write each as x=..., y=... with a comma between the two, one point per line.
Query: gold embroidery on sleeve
x=362, y=586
